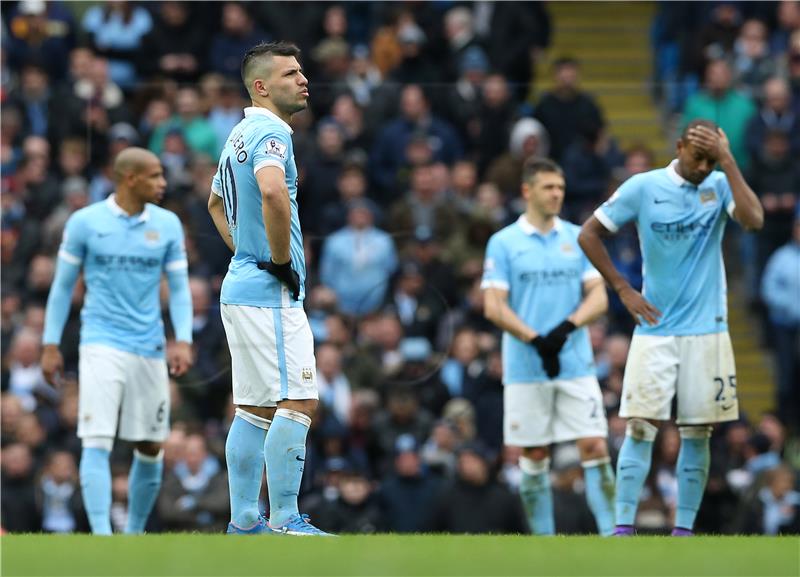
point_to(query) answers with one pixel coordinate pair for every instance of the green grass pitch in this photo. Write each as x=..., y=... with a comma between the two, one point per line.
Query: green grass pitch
x=395, y=555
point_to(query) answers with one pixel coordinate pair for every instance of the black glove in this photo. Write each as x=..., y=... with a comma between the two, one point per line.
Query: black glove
x=555, y=339
x=284, y=273
x=550, y=362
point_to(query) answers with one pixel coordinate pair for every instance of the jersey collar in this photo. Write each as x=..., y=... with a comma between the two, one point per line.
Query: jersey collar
x=529, y=229
x=255, y=110
x=111, y=202
x=673, y=173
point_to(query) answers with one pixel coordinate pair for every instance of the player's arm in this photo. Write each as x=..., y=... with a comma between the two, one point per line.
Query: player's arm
x=68, y=268
x=276, y=211
x=594, y=303
x=498, y=311
x=748, y=211
x=217, y=211
x=591, y=242
x=176, y=268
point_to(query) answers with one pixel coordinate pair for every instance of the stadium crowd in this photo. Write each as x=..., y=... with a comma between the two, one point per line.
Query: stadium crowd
x=410, y=158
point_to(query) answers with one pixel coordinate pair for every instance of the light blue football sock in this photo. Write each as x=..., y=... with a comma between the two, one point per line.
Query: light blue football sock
x=285, y=453
x=599, y=478
x=144, y=483
x=244, y=453
x=633, y=466
x=95, y=476
x=537, y=496
x=694, y=459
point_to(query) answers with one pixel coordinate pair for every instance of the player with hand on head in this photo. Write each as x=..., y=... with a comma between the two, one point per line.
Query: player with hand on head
x=124, y=245
x=681, y=345
x=542, y=291
x=253, y=204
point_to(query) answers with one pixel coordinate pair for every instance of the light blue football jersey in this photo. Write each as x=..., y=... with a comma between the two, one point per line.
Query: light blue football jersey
x=123, y=259
x=260, y=139
x=680, y=231
x=544, y=276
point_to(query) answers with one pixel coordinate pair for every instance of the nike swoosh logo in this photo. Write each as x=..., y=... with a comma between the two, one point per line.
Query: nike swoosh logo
x=692, y=469
x=623, y=467
x=727, y=408
x=298, y=458
x=102, y=234
x=660, y=201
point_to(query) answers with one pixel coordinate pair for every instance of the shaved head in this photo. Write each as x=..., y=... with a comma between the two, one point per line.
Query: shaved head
x=257, y=62
x=132, y=159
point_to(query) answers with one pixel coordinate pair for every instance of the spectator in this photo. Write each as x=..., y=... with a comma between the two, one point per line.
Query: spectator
x=776, y=176
x=780, y=289
x=775, y=508
x=515, y=35
x=402, y=417
x=40, y=31
x=753, y=63
x=25, y=374
x=495, y=117
x=423, y=207
x=19, y=511
x=566, y=111
x=788, y=21
x=355, y=509
x=323, y=167
x=35, y=99
x=225, y=113
x=239, y=33
x=528, y=139
x=722, y=104
x=461, y=39
x=389, y=149
x=775, y=115
x=409, y=493
x=334, y=388
x=588, y=165
x=116, y=31
x=195, y=491
x=188, y=120
x=174, y=47
x=357, y=262
x=475, y=502
x=59, y=496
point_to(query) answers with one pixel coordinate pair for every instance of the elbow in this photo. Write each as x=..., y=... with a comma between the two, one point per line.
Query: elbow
x=585, y=238
x=490, y=311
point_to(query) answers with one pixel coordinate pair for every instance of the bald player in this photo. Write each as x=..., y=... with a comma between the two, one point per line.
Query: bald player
x=123, y=245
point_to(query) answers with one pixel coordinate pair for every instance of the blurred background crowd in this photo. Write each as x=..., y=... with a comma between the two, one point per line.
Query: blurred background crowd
x=421, y=116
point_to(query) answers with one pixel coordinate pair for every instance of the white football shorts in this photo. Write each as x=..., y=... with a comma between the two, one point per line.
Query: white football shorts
x=122, y=390
x=272, y=354
x=538, y=414
x=700, y=369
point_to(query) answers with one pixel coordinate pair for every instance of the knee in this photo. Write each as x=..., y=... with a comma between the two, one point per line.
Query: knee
x=536, y=453
x=592, y=448
x=149, y=448
x=641, y=430
x=306, y=406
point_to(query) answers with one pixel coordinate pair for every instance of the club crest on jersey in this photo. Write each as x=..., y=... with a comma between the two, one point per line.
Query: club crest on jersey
x=708, y=196
x=307, y=375
x=151, y=237
x=275, y=148
x=567, y=248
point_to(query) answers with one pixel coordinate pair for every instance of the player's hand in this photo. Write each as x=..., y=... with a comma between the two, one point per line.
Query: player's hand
x=284, y=273
x=179, y=358
x=638, y=306
x=550, y=361
x=554, y=341
x=716, y=144
x=52, y=364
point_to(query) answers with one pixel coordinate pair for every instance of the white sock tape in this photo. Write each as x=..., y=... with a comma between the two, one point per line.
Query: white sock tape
x=641, y=430
x=532, y=467
x=254, y=420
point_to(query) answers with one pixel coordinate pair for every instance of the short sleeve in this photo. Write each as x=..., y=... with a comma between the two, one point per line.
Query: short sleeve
x=495, y=266
x=272, y=150
x=73, y=242
x=175, y=259
x=622, y=207
x=216, y=183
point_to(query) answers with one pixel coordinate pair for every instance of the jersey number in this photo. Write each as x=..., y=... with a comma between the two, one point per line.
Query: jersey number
x=721, y=383
x=229, y=198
